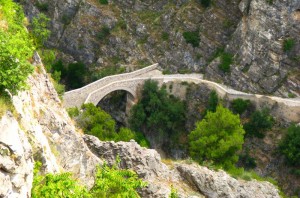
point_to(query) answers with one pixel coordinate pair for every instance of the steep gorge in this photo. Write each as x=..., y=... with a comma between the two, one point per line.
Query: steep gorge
x=138, y=32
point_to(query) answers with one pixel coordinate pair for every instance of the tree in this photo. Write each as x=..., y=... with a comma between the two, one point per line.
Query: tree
x=95, y=121
x=239, y=105
x=259, y=122
x=290, y=145
x=218, y=138
x=16, y=48
x=158, y=113
x=39, y=29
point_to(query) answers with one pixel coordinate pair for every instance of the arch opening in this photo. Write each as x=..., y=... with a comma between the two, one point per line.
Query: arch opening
x=117, y=103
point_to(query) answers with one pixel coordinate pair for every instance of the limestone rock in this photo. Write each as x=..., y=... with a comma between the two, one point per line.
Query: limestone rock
x=220, y=184
x=16, y=162
x=54, y=138
x=190, y=180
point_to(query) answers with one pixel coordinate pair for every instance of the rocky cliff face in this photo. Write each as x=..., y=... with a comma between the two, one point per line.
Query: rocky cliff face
x=253, y=31
x=190, y=180
x=40, y=129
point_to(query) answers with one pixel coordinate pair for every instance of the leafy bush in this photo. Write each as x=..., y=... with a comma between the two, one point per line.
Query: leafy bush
x=218, y=137
x=114, y=182
x=16, y=48
x=290, y=145
x=39, y=29
x=109, y=182
x=158, y=113
x=103, y=2
x=173, y=193
x=43, y=7
x=226, y=61
x=97, y=122
x=212, y=103
x=104, y=33
x=247, y=160
x=192, y=38
x=205, y=3
x=165, y=36
x=288, y=44
x=75, y=75
x=94, y=121
x=259, y=122
x=239, y=105
x=56, y=185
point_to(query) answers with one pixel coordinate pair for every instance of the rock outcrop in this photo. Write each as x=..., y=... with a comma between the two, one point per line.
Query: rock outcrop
x=16, y=161
x=190, y=180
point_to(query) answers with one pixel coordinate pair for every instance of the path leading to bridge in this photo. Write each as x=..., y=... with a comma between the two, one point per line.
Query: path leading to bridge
x=93, y=93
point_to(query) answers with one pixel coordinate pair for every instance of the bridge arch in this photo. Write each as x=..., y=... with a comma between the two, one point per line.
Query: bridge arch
x=97, y=96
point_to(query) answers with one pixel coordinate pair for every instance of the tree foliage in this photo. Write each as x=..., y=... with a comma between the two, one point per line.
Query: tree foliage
x=56, y=185
x=94, y=121
x=192, y=38
x=158, y=113
x=115, y=182
x=239, y=105
x=109, y=182
x=290, y=145
x=259, y=122
x=218, y=138
x=16, y=48
x=39, y=29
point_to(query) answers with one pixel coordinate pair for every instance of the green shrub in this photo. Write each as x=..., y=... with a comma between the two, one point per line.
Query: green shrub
x=16, y=48
x=173, y=193
x=39, y=29
x=165, y=36
x=73, y=112
x=104, y=33
x=95, y=121
x=48, y=57
x=226, y=61
x=205, y=3
x=103, y=2
x=115, y=182
x=66, y=19
x=259, y=122
x=56, y=185
x=75, y=75
x=192, y=38
x=270, y=2
x=43, y=7
x=290, y=145
x=239, y=105
x=212, y=102
x=288, y=44
x=218, y=138
x=158, y=113
x=247, y=160
x=109, y=182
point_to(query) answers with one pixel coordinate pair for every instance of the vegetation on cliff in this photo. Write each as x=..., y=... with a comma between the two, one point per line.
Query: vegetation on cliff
x=218, y=138
x=16, y=48
x=109, y=182
x=94, y=121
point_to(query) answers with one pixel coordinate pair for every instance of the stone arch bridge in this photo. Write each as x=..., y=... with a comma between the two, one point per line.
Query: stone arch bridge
x=288, y=109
